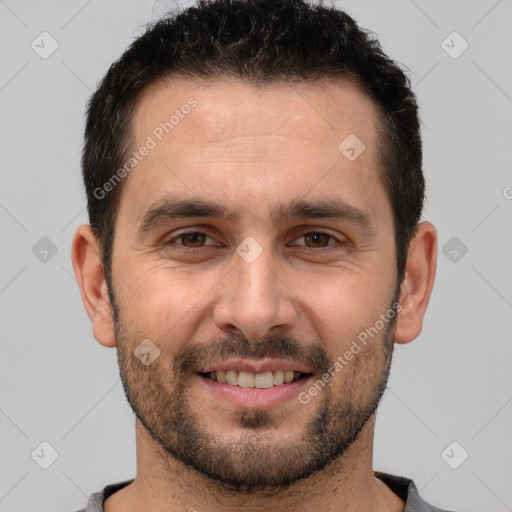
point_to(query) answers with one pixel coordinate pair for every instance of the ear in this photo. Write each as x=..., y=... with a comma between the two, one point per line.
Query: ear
x=90, y=275
x=420, y=272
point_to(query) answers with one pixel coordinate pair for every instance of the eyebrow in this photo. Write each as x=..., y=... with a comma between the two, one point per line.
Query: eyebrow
x=176, y=208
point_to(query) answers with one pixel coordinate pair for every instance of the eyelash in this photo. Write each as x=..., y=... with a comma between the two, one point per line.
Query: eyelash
x=324, y=249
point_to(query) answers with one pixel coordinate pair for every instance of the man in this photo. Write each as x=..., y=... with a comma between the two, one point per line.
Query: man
x=254, y=183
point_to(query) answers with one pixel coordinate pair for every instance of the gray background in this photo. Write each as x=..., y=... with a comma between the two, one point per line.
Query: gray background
x=58, y=385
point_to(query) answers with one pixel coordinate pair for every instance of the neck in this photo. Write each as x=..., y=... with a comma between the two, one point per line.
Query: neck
x=164, y=484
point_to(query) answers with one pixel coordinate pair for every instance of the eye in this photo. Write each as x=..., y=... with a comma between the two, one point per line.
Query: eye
x=198, y=239
x=317, y=240
x=191, y=239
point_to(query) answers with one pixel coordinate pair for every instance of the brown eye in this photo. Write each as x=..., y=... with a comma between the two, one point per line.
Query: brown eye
x=192, y=239
x=317, y=239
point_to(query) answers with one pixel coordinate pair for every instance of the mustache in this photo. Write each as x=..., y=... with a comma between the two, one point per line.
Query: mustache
x=195, y=356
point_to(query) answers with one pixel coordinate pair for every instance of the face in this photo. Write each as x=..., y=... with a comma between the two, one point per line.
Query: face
x=250, y=248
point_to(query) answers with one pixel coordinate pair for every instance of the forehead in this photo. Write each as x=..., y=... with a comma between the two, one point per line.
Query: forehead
x=231, y=105
x=226, y=137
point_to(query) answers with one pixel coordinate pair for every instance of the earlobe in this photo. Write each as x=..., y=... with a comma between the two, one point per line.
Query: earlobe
x=90, y=275
x=417, y=285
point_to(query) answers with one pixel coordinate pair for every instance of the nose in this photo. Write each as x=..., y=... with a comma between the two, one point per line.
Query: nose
x=255, y=298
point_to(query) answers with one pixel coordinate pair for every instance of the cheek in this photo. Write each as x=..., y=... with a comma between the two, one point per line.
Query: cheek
x=342, y=303
x=161, y=300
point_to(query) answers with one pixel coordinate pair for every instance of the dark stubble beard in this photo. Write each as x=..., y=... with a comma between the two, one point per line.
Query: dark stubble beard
x=263, y=458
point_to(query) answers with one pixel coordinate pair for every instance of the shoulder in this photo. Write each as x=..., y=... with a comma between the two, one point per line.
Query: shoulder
x=97, y=499
x=406, y=489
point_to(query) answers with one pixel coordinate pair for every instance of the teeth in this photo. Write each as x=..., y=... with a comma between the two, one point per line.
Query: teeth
x=278, y=377
x=263, y=380
x=246, y=379
x=232, y=377
x=255, y=380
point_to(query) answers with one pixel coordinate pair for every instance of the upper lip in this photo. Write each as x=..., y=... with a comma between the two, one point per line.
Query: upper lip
x=252, y=366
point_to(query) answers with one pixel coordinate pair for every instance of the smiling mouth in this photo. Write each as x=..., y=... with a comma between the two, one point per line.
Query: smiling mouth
x=262, y=380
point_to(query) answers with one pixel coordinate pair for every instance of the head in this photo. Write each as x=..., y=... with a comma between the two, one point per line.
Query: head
x=288, y=144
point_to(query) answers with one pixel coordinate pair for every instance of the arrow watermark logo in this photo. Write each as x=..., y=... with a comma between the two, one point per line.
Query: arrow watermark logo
x=454, y=455
x=146, y=352
x=44, y=45
x=351, y=147
x=454, y=45
x=249, y=250
x=454, y=249
x=44, y=250
x=44, y=455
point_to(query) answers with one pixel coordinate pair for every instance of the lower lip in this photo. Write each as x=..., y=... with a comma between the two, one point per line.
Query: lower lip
x=255, y=398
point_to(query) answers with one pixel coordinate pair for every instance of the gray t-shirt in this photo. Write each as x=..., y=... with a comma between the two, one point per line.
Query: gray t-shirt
x=402, y=487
